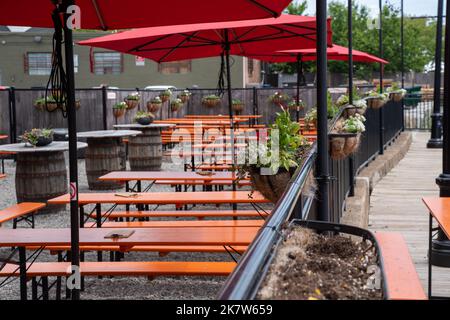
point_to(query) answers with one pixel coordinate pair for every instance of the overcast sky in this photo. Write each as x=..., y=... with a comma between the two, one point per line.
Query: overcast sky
x=411, y=7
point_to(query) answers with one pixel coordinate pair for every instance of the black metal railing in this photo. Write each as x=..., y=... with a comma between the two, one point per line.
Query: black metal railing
x=418, y=111
x=245, y=280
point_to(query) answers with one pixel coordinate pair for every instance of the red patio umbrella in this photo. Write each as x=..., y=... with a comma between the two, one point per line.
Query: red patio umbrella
x=180, y=42
x=114, y=14
x=335, y=52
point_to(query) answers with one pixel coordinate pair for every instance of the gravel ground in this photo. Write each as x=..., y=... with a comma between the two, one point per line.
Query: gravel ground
x=119, y=287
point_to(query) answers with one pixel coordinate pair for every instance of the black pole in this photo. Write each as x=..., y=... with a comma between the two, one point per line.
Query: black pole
x=402, y=42
x=440, y=253
x=350, y=51
x=105, y=108
x=380, y=44
x=230, y=103
x=73, y=166
x=322, y=162
x=13, y=115
x=436, y=118
x=299, y=72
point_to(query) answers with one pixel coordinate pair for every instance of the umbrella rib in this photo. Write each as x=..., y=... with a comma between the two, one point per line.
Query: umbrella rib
x=186, y=39
x=139, y=47
x=236, y=37
x=264, y=8
x=99, y=15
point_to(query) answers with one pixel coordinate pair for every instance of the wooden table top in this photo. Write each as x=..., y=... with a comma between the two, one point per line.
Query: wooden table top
x=163, y=198
x=103, y=134
x=55, y=146
x=440, y=210
x=141, y=236
x=3, y=136
x=166, y=175
x=210, y=116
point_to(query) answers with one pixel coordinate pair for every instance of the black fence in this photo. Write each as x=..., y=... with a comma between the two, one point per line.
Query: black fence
x=383, y=126
x=418, y=111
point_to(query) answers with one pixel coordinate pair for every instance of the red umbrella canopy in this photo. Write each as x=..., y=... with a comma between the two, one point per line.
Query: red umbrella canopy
x=118, y=14
x=334, y=52
x=179, y=42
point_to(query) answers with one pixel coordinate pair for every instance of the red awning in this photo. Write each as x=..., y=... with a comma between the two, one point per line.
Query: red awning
x=179, y=42
x=333, y=53
x=117, y=14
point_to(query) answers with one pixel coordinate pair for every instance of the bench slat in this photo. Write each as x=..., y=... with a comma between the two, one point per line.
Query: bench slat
x=180, y=213
x=125, y=268
x=19, y=210
x=184, y=224
x=401, y=276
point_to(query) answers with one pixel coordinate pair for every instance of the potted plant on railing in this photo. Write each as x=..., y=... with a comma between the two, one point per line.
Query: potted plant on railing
x=376, y=99
x=345, y=136
x=358, y=107
x=211, y=101
x=185, y=96
x=294, y=107
x=119, y=109
x=166, y=95
x=395, y=92
x=37, y=137
x=274, y=169
x=154, y=104
x=278, y=98
x=132, y=100
x=176, y=105
x=237, y=106
x=46, y=103
x=144, y=118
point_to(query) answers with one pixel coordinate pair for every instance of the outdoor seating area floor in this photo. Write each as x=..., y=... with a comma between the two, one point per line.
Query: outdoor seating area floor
x=120, y=287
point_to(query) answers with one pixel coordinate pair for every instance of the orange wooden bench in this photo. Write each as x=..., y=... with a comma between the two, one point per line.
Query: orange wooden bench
x=179, y=213
x=401, y=276
x=2, y=175
x=21, y=212
x=185, y=224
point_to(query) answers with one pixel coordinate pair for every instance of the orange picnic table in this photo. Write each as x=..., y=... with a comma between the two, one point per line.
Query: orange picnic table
x=439, y=211
x=3, y=136
x=22, y=238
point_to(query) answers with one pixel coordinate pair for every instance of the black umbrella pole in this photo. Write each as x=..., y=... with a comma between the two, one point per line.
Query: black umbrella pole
x=299, y=72
x=435, y=141
x=322, y=162
x=73, y=166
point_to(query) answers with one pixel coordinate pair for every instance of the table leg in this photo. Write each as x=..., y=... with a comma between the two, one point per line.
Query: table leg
x=430, y=241
x=23, y=273
x=98, y=211
x=81, y=216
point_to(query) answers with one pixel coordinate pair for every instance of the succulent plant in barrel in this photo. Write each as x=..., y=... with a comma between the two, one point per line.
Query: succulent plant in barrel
x=185, y=95
x=211, y=101
x=37, y=137
x=274, y=169
x=237, y=105
x=165, y=95
x=119, y=109
x=132, y=100
x=154, y=104
x=144, y=118
x=176, y=104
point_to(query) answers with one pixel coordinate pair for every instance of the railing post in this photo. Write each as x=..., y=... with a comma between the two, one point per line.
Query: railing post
x=12, y=115
x=105, y=108
x=351, y=169
x=255, y=104
x=381, y=133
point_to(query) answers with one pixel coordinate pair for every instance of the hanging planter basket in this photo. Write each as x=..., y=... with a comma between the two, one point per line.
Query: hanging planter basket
x=375, y=102
x=118, y=113
x=174, y=107
x=153, y=107
x=353, y=110
x=273, y=186
x=39, y=106
x=185, y=98
x=164, y=97
x=131, y=104
x=51, y=106
x=210, y=102
x=396, y=96
x=343, y=144
x=237, y=107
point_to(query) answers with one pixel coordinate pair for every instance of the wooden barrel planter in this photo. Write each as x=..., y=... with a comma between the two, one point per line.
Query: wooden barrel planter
x=103, y=156
x=145, y=151
x=41, y=176
x=343, y=144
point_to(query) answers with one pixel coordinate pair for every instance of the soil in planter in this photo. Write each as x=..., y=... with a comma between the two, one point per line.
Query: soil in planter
x=308, y=266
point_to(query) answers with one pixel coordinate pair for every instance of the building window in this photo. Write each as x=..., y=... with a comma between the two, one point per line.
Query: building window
x=183, y=66
x=38, y=64
x=107, y=63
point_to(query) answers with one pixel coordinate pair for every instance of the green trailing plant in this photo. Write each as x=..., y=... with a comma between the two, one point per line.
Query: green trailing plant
x=134, y=96
x=293, y=105
x=185, y=95
x=143, y=114
x=176, y=104
x=36, y=137
x=279, y=98
x=120, y=105
x=166, y=95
